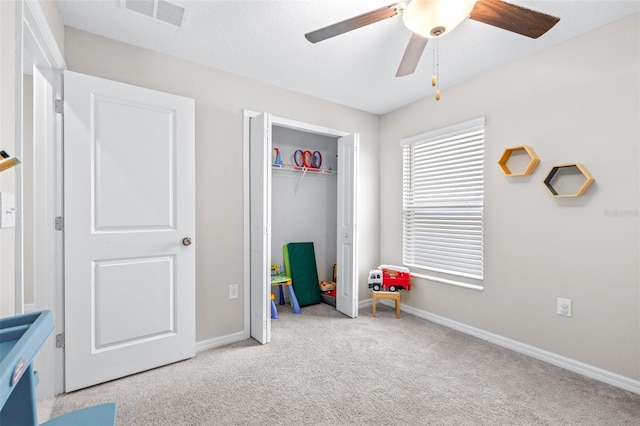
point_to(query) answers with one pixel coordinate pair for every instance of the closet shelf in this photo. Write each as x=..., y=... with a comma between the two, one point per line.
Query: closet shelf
x=301, y=169
x=304, y=171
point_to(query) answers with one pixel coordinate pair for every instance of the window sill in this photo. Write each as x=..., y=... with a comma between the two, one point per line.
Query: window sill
x=448, y=281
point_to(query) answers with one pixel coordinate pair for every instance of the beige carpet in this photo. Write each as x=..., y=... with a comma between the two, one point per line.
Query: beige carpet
x=325, y=369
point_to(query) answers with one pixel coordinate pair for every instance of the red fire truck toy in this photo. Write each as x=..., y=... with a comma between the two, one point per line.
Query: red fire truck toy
x=389, y=278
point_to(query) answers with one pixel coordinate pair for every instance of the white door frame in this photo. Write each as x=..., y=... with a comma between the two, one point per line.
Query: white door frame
x=35, y=40
x=280, y=122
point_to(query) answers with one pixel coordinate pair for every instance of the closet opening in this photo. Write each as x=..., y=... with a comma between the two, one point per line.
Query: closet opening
x=304, y=204
x=301, y=192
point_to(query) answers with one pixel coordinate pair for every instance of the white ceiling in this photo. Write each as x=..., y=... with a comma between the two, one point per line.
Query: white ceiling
x=264, y=40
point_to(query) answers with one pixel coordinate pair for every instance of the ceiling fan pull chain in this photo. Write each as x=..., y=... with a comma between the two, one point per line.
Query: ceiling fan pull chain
x=437, y=73
x=433, y=54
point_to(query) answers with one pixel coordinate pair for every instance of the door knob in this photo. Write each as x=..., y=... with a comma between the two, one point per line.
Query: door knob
x=186, y=241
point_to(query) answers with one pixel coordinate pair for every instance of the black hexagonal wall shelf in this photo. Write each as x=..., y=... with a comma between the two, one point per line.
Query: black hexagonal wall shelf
x=553, y=177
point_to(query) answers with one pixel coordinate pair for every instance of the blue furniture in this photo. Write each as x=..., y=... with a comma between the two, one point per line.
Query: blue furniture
x=280, y=281
x=274, y=310
x=20, y=340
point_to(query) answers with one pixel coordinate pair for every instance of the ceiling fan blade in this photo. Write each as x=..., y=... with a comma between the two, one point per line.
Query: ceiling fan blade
x=412, y=55
x=356, y=22
x=513, y=18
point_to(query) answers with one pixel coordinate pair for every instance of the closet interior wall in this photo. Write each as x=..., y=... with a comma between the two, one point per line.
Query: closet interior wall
x=304, y=205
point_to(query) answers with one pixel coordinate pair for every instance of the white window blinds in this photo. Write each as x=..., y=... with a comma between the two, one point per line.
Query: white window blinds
x=443, y=187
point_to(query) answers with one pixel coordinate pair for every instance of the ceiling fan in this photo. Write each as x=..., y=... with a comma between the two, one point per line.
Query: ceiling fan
x=433, y=18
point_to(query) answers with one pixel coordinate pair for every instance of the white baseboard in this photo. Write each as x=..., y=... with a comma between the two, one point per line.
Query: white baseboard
x=587, y=370
x=365, y=303
x=220, y=341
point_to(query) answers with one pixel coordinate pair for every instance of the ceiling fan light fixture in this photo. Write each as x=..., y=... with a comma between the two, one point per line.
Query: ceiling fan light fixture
x=432, y=18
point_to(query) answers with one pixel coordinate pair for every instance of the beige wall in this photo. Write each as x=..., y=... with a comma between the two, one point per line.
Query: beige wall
x=576, y=102
x=220, y=98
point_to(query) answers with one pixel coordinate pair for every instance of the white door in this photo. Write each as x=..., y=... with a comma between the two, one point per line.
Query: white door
x=347, y=270
x=129, y=191
x=260, y=205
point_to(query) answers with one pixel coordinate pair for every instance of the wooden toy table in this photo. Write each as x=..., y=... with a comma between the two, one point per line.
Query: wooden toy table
x=20, y=340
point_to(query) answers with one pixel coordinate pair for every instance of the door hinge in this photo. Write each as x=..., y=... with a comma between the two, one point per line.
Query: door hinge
x=60, y=340
x=59, y=223
x=59, y=106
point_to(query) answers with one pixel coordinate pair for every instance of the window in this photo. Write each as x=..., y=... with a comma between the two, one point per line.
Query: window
x=443, y=187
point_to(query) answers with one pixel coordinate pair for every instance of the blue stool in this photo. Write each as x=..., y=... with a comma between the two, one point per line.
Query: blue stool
x=274, y=310
x=282, y=280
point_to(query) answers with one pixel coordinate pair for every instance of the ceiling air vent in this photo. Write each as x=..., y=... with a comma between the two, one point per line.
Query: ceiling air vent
x=162, y=10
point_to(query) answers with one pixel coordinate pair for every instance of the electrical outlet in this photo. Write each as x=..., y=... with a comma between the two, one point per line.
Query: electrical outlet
x=233, y=291
x=563, y=307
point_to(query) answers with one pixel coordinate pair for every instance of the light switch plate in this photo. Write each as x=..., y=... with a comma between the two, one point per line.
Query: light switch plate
x=7, y=210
